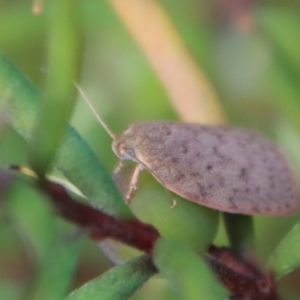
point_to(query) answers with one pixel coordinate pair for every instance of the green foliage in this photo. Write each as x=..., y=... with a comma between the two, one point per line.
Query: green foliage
x=39, y=228
x=280, y=27
x=55, y=272
x=240, y=230
x=58, y=97
x=118, y=283
x=255, y=70
x=187, y=272
x=153, y=204
x=20, y=99
x=285, y=258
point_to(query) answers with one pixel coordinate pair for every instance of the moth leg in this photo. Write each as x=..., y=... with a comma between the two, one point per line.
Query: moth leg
x=118, y=167
x=133, y=182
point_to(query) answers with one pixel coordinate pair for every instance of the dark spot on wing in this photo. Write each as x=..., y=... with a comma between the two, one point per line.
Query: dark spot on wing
x=179, y=176
x=257, y=189
x=215, y=150
x=209, y=167
x=272, y=183
x=203, y=191
x=221, y=182
x=235, y=191
x=244, y=174
x=195, y=174
x=198, y=155
x=168, y=131
x=185, y=148
x=175, y=160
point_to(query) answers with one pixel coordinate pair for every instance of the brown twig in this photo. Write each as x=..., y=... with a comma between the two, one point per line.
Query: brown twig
x=242, y=276
x=132, y=232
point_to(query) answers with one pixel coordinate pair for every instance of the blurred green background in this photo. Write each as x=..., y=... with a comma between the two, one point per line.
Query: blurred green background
x=250, y=53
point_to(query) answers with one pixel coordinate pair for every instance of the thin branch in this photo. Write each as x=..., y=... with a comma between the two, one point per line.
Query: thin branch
x=132, y=232
x=241, y=276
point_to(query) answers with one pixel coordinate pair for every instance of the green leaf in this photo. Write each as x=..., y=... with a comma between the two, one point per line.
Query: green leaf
x=58, y=96
x=9, y=290
x=281, y=29
x=56, y=271
x=286, y=256
x=118, y=283
x=38, y=230
x=55, y=256
x=283, y=86
x=282, y=26
x=20, y=100
x=186, y=271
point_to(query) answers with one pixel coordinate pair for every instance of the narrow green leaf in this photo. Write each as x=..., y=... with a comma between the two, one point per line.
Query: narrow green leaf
x=286, y=256
x=37, y=229
x=186, y=271
x=282, y=26
x=55, y=257
x=283, y=86
x=19, y=99
x=58, y=96
x=9, y=290
x=56, y=271
x=118, y=283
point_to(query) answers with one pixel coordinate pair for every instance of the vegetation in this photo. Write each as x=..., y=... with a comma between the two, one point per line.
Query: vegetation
x=217, y=62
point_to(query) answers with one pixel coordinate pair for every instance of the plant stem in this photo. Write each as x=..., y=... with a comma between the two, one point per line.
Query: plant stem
x=187, y=86
x=240, y=231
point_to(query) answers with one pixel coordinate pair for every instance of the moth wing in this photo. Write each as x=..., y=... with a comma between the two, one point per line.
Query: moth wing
x=225, y=168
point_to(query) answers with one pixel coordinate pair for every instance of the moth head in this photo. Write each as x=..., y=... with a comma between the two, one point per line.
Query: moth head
x=125, y=145
x=123, y=151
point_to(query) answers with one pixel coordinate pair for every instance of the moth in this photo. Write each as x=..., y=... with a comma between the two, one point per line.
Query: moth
x=226, y=168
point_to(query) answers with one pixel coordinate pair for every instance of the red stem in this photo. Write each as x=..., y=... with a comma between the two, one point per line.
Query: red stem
x=132, y=232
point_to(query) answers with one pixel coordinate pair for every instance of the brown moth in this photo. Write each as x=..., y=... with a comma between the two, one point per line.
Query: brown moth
x=225, y=168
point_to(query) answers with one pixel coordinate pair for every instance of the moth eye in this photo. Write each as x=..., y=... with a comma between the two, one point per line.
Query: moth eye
x=123, y=151
x=130, y=152
x=127, y=153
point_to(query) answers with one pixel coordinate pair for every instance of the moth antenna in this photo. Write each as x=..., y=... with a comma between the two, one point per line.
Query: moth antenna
x=113, y=136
